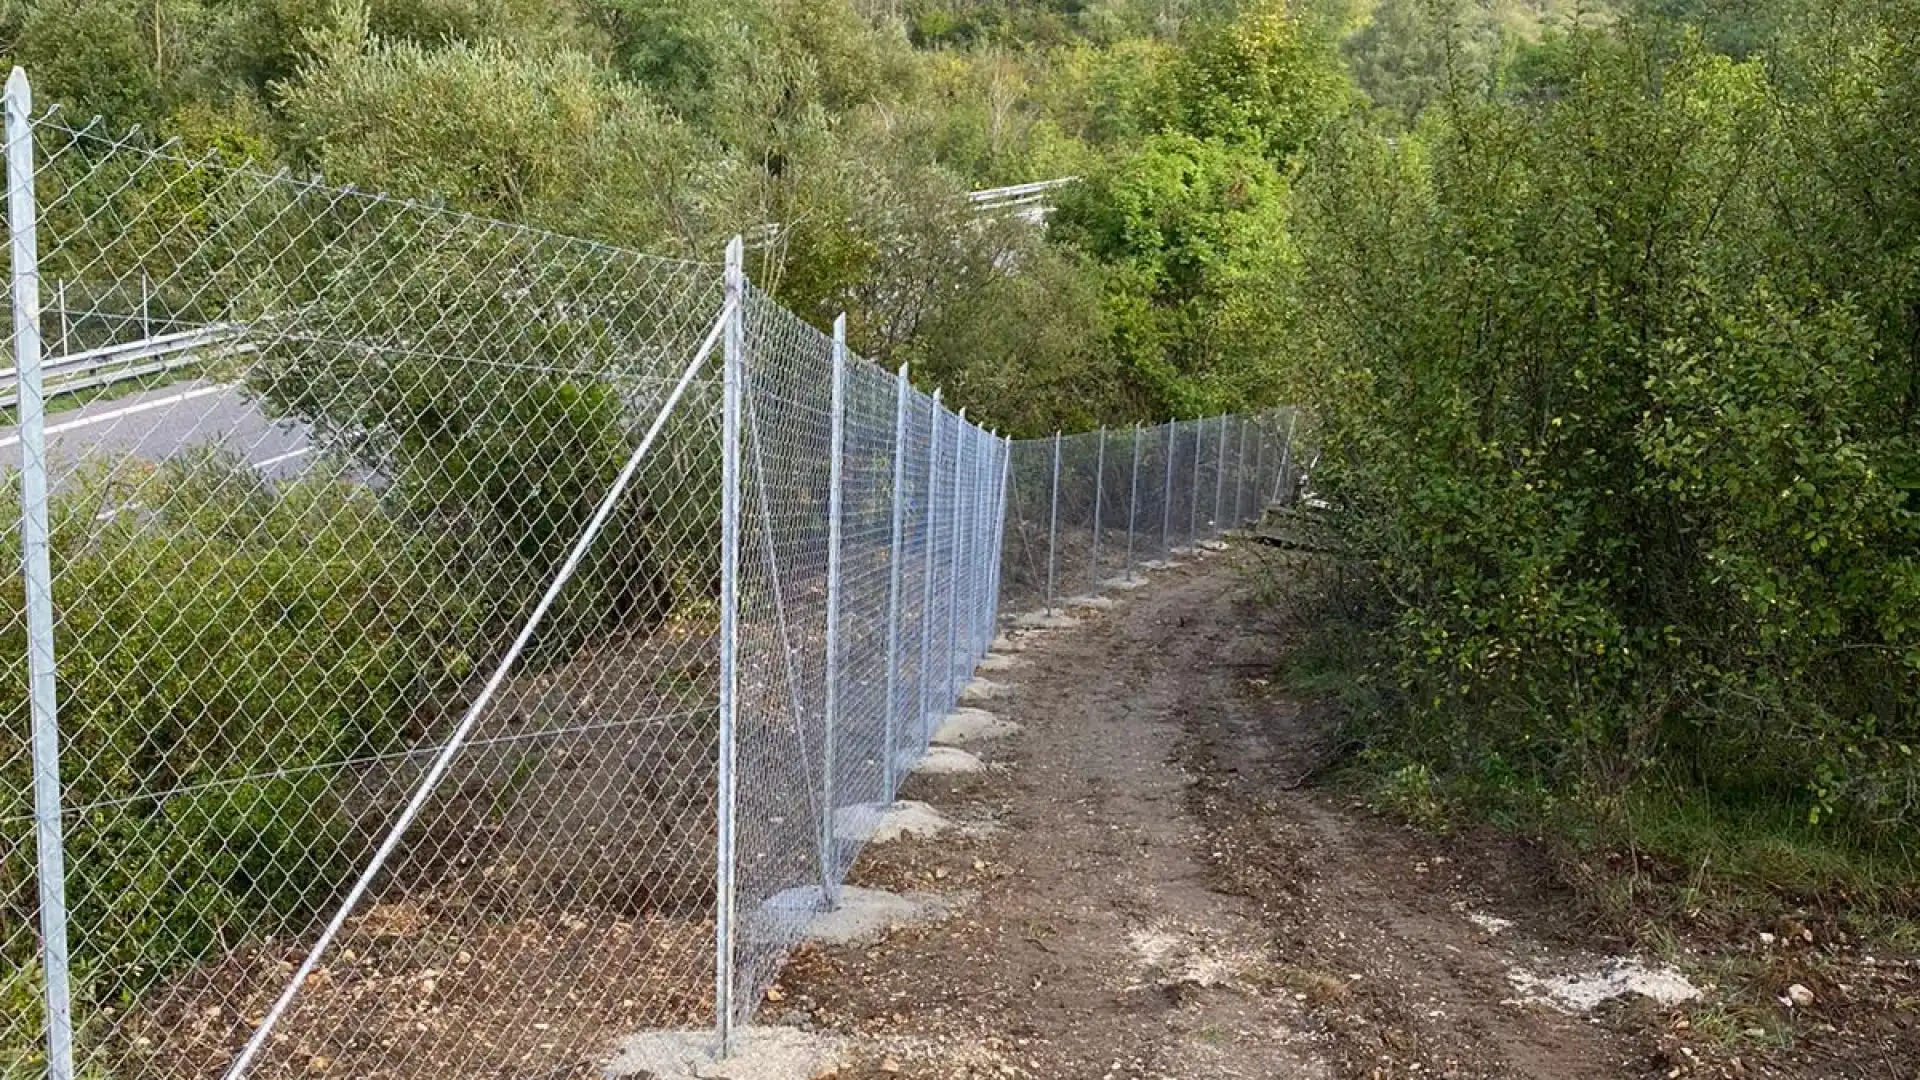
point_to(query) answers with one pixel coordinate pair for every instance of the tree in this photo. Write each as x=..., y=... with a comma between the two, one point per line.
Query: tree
x=1261, y=80
x=1166, y=222
x=546, y=138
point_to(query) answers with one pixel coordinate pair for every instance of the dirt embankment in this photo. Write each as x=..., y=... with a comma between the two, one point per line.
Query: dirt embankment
x=1159, y=898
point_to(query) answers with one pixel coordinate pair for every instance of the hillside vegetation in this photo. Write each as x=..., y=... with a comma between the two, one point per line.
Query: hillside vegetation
x=1607, y=315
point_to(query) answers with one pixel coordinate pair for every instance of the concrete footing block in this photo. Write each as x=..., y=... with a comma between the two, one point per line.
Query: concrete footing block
x=910, y=819
x=964, y=726
x=860, y=915
x=948, y=761
x=760, y=1053
x=982, y=690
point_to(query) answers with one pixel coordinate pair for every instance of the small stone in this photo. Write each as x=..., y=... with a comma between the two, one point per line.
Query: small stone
x=319, y=1064
x=1799, y=996
x=889, y=1066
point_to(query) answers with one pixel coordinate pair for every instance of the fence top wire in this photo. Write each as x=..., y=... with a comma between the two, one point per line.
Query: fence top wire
x=145, y=236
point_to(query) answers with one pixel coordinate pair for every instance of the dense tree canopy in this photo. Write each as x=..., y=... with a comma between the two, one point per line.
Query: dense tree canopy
x=854, y=128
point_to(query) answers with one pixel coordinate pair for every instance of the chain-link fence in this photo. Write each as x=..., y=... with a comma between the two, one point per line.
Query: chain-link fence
x=1091, y=511
x=441, y=648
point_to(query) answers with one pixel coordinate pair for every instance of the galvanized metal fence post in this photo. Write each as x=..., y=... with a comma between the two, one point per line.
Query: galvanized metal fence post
x=1053, y=524
x=733, y=355
x=37, y=572
x=836, y=501
x=955, y=584
x=1099, y=493
x=990, y=537
x=1220, y=481
x=1166, y=500
x=976, y=542
x=986, y=552
x=894, y=569
x=1240, y=475
x=1283, y=483
x=1002, y=498
x=926, y=586
x=1133, y=500
x=1193, y=502
x=1257, y=511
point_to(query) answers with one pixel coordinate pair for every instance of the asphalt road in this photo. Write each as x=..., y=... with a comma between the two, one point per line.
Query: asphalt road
x=157, y=424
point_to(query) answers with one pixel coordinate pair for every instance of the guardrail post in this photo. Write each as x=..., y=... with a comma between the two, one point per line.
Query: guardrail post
x=894, y=569
x=1053, y=524
x=37, y=570
x=733, y=355
x=835, y=504
x=926, y=586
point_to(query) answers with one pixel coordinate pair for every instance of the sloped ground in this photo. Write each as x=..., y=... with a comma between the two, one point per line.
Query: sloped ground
x=1163, y=900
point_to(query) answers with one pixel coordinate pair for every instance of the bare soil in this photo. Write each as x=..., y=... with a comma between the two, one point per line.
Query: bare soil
x=1165, y=899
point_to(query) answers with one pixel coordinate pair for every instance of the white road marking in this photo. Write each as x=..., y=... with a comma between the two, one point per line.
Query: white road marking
x=116, y=414
x=280, y=458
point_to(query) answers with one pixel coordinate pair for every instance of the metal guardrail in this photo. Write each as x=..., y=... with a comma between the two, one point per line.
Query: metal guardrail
x=122, y=362
x=1018, y=194
x=1031, y=201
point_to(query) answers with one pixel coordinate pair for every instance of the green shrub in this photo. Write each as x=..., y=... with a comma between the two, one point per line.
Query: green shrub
x=224, y=645
x=1615, y=395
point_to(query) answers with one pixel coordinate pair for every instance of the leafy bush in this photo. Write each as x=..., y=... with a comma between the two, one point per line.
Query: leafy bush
x=1615, y=392
x=223, y=647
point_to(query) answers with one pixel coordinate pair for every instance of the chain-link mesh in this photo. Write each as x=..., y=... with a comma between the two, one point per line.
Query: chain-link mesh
x=1087, y=510
x=874, y=631
x=400, y=729
x=290, y=547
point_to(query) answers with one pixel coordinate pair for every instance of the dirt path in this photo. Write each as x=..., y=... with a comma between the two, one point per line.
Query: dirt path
x=1155, y=903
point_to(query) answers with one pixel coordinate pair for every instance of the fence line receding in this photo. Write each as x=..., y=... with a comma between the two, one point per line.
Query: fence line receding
x=443, y=648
